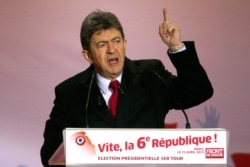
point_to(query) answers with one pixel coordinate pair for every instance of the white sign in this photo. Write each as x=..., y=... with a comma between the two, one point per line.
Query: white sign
x=145, y=146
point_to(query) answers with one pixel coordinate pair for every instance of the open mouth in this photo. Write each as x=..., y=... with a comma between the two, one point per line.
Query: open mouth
x=113, y=60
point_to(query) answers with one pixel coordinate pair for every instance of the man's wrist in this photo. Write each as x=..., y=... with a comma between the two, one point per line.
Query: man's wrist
x=181, y=47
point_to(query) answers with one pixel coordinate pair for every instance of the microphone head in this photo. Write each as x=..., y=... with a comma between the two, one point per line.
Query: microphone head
x=99, y=100
x=121, y=90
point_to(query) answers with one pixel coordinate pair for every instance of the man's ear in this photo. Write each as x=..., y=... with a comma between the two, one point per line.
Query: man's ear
x=87, y=56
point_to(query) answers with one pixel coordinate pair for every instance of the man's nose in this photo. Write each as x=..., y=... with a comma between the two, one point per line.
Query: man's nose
x=110, y=48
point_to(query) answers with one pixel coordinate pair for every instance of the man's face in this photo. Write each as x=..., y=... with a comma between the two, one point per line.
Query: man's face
x=107, y=52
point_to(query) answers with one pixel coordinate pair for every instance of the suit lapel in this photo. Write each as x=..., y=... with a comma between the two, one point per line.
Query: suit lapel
x=100, y=107
x=97, y=108
x=131, y=78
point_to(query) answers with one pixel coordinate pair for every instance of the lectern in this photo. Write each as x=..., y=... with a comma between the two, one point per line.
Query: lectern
x=90, y=147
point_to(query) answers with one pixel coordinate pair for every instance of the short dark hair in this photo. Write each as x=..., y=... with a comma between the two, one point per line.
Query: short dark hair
x=96, y=21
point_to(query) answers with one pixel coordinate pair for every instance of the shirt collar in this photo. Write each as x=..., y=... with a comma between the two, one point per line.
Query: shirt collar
x=103, y=83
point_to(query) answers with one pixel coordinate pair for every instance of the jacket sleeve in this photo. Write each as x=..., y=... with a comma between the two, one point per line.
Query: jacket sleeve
x=53, y=130
x=57, y=121
x=191, y=86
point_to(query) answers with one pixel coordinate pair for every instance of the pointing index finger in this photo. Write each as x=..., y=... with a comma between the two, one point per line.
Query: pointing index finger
x=165, y=15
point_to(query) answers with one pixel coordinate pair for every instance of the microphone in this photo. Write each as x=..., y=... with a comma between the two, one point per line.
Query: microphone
x=99, y=100
x=87, y=101
x=121, y=90
x=188, y=126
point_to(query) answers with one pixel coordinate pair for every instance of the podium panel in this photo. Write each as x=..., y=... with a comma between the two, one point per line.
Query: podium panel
x=90, y=147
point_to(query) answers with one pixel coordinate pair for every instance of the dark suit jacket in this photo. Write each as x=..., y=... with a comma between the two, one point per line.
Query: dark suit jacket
x=147, y=92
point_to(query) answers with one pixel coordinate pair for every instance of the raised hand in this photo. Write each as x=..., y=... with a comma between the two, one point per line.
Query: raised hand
x=212, y=118
x=170, y=33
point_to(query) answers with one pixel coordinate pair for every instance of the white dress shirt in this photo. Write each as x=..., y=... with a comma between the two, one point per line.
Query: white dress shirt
x=103, y=85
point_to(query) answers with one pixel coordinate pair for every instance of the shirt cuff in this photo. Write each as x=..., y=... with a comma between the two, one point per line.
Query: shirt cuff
x=181, y=50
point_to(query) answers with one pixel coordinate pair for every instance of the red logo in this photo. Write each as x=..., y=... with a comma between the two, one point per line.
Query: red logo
x=214, y=152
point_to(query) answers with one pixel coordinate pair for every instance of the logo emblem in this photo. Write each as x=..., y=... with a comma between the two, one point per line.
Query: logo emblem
x=214, y=152
x=80, y=140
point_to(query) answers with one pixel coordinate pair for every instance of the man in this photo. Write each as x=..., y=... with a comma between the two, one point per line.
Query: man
x=146, y=89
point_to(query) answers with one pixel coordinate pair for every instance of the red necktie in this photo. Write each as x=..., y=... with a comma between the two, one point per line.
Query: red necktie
x=113, y=99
